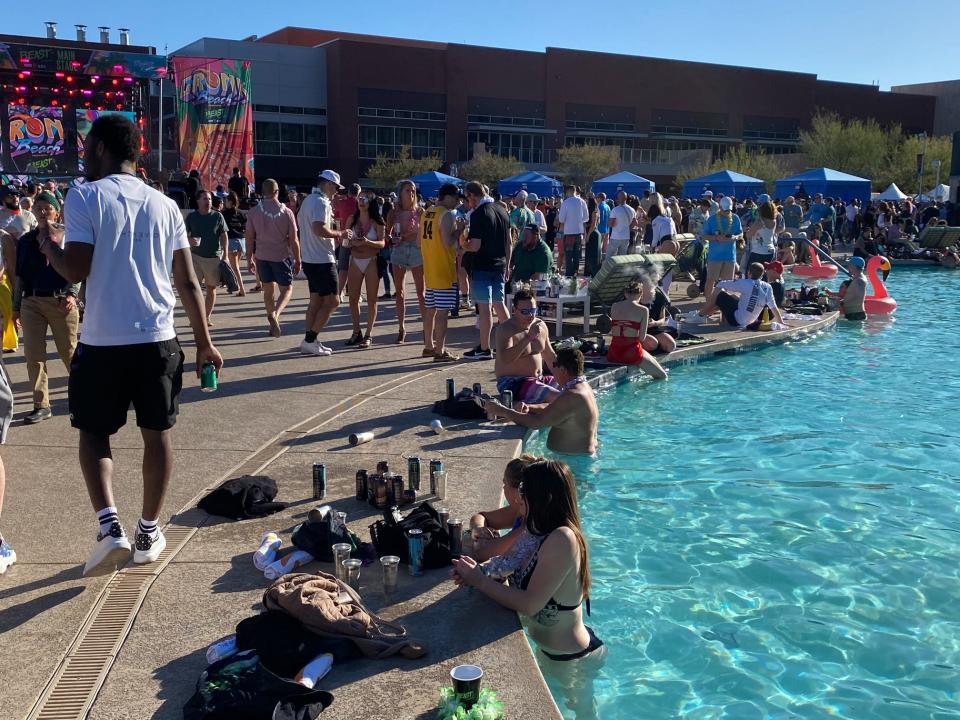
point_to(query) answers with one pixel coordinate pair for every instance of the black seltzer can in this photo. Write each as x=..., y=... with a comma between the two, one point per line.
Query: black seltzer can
x=413, y=473
x=361, y=494
x=319, y=481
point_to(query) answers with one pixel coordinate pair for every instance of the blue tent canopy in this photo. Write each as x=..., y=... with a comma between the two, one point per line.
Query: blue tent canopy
x=429, y=183
x=831, y=183
x=626, y=181
x=532, y=182
x=726, y=182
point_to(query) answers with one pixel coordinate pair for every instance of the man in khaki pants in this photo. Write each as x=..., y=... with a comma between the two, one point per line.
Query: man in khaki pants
x=43, y=299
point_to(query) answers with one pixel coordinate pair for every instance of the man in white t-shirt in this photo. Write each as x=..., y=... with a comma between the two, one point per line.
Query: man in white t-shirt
x=572, y=219
x=319, y=259
x=124, y=239
x=621, y=224
x=532, y=201
x=743, y=311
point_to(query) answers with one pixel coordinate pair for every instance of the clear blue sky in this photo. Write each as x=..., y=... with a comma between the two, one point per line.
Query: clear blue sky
x=882, y=41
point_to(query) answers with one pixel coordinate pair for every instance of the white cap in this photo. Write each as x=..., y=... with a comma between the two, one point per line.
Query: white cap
x=331, y=176
x=521, y=196
x=708, y=193
x=726, y=203
x=532, y=197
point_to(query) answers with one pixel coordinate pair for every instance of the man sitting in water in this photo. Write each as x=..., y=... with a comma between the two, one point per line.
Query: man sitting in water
x=743, y=311
x=851, y=297
x=572, y=416
x=523, y=343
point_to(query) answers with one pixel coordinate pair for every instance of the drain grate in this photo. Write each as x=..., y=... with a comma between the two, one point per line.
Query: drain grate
x=74, y=686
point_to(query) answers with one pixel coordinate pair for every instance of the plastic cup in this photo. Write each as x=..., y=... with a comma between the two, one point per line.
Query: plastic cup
x=341, y=552
x=466, y=684
x=351, y=571
x=391, y=567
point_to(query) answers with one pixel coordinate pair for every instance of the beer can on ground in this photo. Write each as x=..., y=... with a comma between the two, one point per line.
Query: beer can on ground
x=380, y=492
x=415, y=547
x=361, y=494
x=455, y=530
x=451, y=389
x=507, y=397
x=409, y=496
x=413, y=473
x=319, y=481
x=444, y=516
x=477, y=388
x=436, y=466
x=396, y=487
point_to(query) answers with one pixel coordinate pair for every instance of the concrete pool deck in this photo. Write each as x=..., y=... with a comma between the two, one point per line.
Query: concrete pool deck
x=277, y=412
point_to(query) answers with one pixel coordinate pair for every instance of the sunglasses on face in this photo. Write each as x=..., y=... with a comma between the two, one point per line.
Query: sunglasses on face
x=527, y=312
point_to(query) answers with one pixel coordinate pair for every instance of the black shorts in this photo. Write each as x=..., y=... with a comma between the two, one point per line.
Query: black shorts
x=321, y=278
x=106, y=379
x=728, y=305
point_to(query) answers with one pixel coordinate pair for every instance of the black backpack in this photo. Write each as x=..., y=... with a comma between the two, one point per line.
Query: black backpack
x=390, y=536
x=462, y=406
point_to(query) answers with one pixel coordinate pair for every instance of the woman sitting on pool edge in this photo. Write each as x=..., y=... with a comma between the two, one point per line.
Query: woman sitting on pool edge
x=629, y=322
x=548, y=590
x=487, y=543
x=661, y=335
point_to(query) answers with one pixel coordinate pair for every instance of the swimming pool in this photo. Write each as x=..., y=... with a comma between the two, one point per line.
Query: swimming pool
x=775, y=534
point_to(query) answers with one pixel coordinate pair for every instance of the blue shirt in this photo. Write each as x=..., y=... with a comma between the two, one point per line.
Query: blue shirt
x=722, y=251
x=602, y=223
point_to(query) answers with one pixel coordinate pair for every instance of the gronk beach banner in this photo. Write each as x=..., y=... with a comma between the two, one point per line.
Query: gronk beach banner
x=37, y=143
x=215, y=117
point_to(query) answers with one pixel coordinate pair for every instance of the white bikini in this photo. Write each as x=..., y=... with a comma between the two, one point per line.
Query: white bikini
x=363, y=264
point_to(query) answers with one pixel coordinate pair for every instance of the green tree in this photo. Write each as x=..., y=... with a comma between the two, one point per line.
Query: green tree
x=582, y=164
x=386, y=172
x=739, y=158
x=903, y=162
x=489, y=168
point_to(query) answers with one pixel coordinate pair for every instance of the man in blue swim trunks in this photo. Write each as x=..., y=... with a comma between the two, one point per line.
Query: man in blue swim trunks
x=522, y=344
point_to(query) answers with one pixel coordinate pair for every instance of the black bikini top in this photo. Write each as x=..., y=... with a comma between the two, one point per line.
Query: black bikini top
x=522, y=578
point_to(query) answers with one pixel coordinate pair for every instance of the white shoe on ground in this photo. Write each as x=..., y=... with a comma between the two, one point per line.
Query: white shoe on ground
x=313, y=348
x=326, y=350
x=111, y=553
x=8, y=557
x=147, y=549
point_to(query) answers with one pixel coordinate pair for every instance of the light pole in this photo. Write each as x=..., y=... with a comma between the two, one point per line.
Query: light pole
x=936, y=166
x=920, y=158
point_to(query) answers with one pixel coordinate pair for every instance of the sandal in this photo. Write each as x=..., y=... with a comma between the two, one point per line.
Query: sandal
x=428, y=352
x=354, y=339
x=366, y=342
x=445, y=357
x=401, y=336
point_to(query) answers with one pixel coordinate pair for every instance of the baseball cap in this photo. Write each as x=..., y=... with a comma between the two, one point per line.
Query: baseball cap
x=521, y=196
x=776, y=266
x=708, y=193
x=533, y=197
x=330, y=176
x=763, y=198
x=726, y=203
x=448, y=189
x=857, y=262
x=9, y=190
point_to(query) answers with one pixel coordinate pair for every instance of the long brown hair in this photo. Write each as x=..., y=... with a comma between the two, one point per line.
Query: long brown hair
x=551, y=496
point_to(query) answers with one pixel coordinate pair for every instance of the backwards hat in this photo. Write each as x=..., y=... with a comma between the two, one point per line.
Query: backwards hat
x=726, y=203
x=776, y=266
x=533, y=197
x=708, y=194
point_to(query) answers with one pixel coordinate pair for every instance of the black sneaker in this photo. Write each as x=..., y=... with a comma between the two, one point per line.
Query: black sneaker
x=478, y=354
x=38, y=415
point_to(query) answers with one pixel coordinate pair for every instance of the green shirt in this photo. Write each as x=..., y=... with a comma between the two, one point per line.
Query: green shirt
x=527, y=262
x=208, y=228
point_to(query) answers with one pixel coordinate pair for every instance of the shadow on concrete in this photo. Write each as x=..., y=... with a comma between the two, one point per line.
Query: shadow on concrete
x=242, y=576
x=71, y=573
x=382, y=427
x=177, y=680
x=17, y=615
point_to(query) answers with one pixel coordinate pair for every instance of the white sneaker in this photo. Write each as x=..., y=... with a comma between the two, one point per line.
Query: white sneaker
x=8, y=557
x=312, y=348
x=147, y=548
x=111, y=553
x=326, y=350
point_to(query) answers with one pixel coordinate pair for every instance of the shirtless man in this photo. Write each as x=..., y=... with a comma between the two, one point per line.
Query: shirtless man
x=522, y=344
x=572, y=416
x=851, y=298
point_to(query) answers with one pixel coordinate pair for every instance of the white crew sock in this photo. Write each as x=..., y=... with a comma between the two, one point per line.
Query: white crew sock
x=148, y=527
x=107, y=517
x=287, y=563
x=267, y=552
x=314, y=670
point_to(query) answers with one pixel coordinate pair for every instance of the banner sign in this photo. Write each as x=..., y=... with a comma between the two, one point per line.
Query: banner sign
x=85, y=120
x=37, y=143
x=109, y=63
x=215, y=117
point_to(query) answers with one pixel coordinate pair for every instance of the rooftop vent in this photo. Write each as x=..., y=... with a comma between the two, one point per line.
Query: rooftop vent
x=104, y=34
x=124, y=36
x=51, y=29
x=81, y=33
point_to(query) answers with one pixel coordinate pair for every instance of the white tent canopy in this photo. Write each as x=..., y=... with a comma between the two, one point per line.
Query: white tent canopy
x=892, y=193
x=941, y=193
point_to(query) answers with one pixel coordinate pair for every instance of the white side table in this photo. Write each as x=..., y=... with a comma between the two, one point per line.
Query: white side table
x=559, y=303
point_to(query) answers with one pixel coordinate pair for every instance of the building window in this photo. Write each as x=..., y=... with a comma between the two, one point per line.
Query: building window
x=504, y=120
x=393, y=113
x=649, y=152
x=590, y=125
x=266, y=108
x=376, y=140
x=290, y=139
x=524, y=147
x=289, y=109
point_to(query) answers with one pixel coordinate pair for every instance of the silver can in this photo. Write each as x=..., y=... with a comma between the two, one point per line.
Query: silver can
x=507, y=398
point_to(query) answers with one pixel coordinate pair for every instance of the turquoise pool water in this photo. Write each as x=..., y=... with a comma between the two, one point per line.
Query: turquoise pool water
x=776, y=534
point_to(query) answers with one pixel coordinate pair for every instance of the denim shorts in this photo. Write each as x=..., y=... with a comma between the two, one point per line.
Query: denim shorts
x=280, y=272
x=486, y=287
x=406, y=254
x=236, y=245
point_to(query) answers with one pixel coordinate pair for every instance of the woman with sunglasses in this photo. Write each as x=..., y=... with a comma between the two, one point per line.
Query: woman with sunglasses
x=369, y=231
x=550, y=582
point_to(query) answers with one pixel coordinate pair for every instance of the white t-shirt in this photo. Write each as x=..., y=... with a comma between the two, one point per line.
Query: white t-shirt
x=135, y=231
x=16, y=224
x=764, y=241
x=573, y=215
x=852, y=212
x=624, y=216
x=541, y=220
x=662, y=226
x=315, y=208
x=754, y=296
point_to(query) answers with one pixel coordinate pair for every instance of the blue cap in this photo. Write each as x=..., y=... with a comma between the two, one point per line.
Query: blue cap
x=763, y=198
x=858, y=261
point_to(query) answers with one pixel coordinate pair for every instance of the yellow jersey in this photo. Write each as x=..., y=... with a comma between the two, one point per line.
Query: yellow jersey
x=439, y=257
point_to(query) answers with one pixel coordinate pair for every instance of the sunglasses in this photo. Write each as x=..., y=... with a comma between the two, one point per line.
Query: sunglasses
x=527, y=312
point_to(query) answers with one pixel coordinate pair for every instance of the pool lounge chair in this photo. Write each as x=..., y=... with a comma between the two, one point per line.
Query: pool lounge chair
x=938, y=237
x=617, y=272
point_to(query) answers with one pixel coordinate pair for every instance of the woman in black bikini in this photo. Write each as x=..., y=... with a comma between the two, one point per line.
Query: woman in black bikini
x=551, y=580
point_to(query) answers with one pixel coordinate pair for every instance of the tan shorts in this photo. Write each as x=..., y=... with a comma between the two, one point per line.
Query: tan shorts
x=207, y=270
x=720, y=270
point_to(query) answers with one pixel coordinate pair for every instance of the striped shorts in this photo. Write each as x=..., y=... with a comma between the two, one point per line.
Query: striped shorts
x=448, y=299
